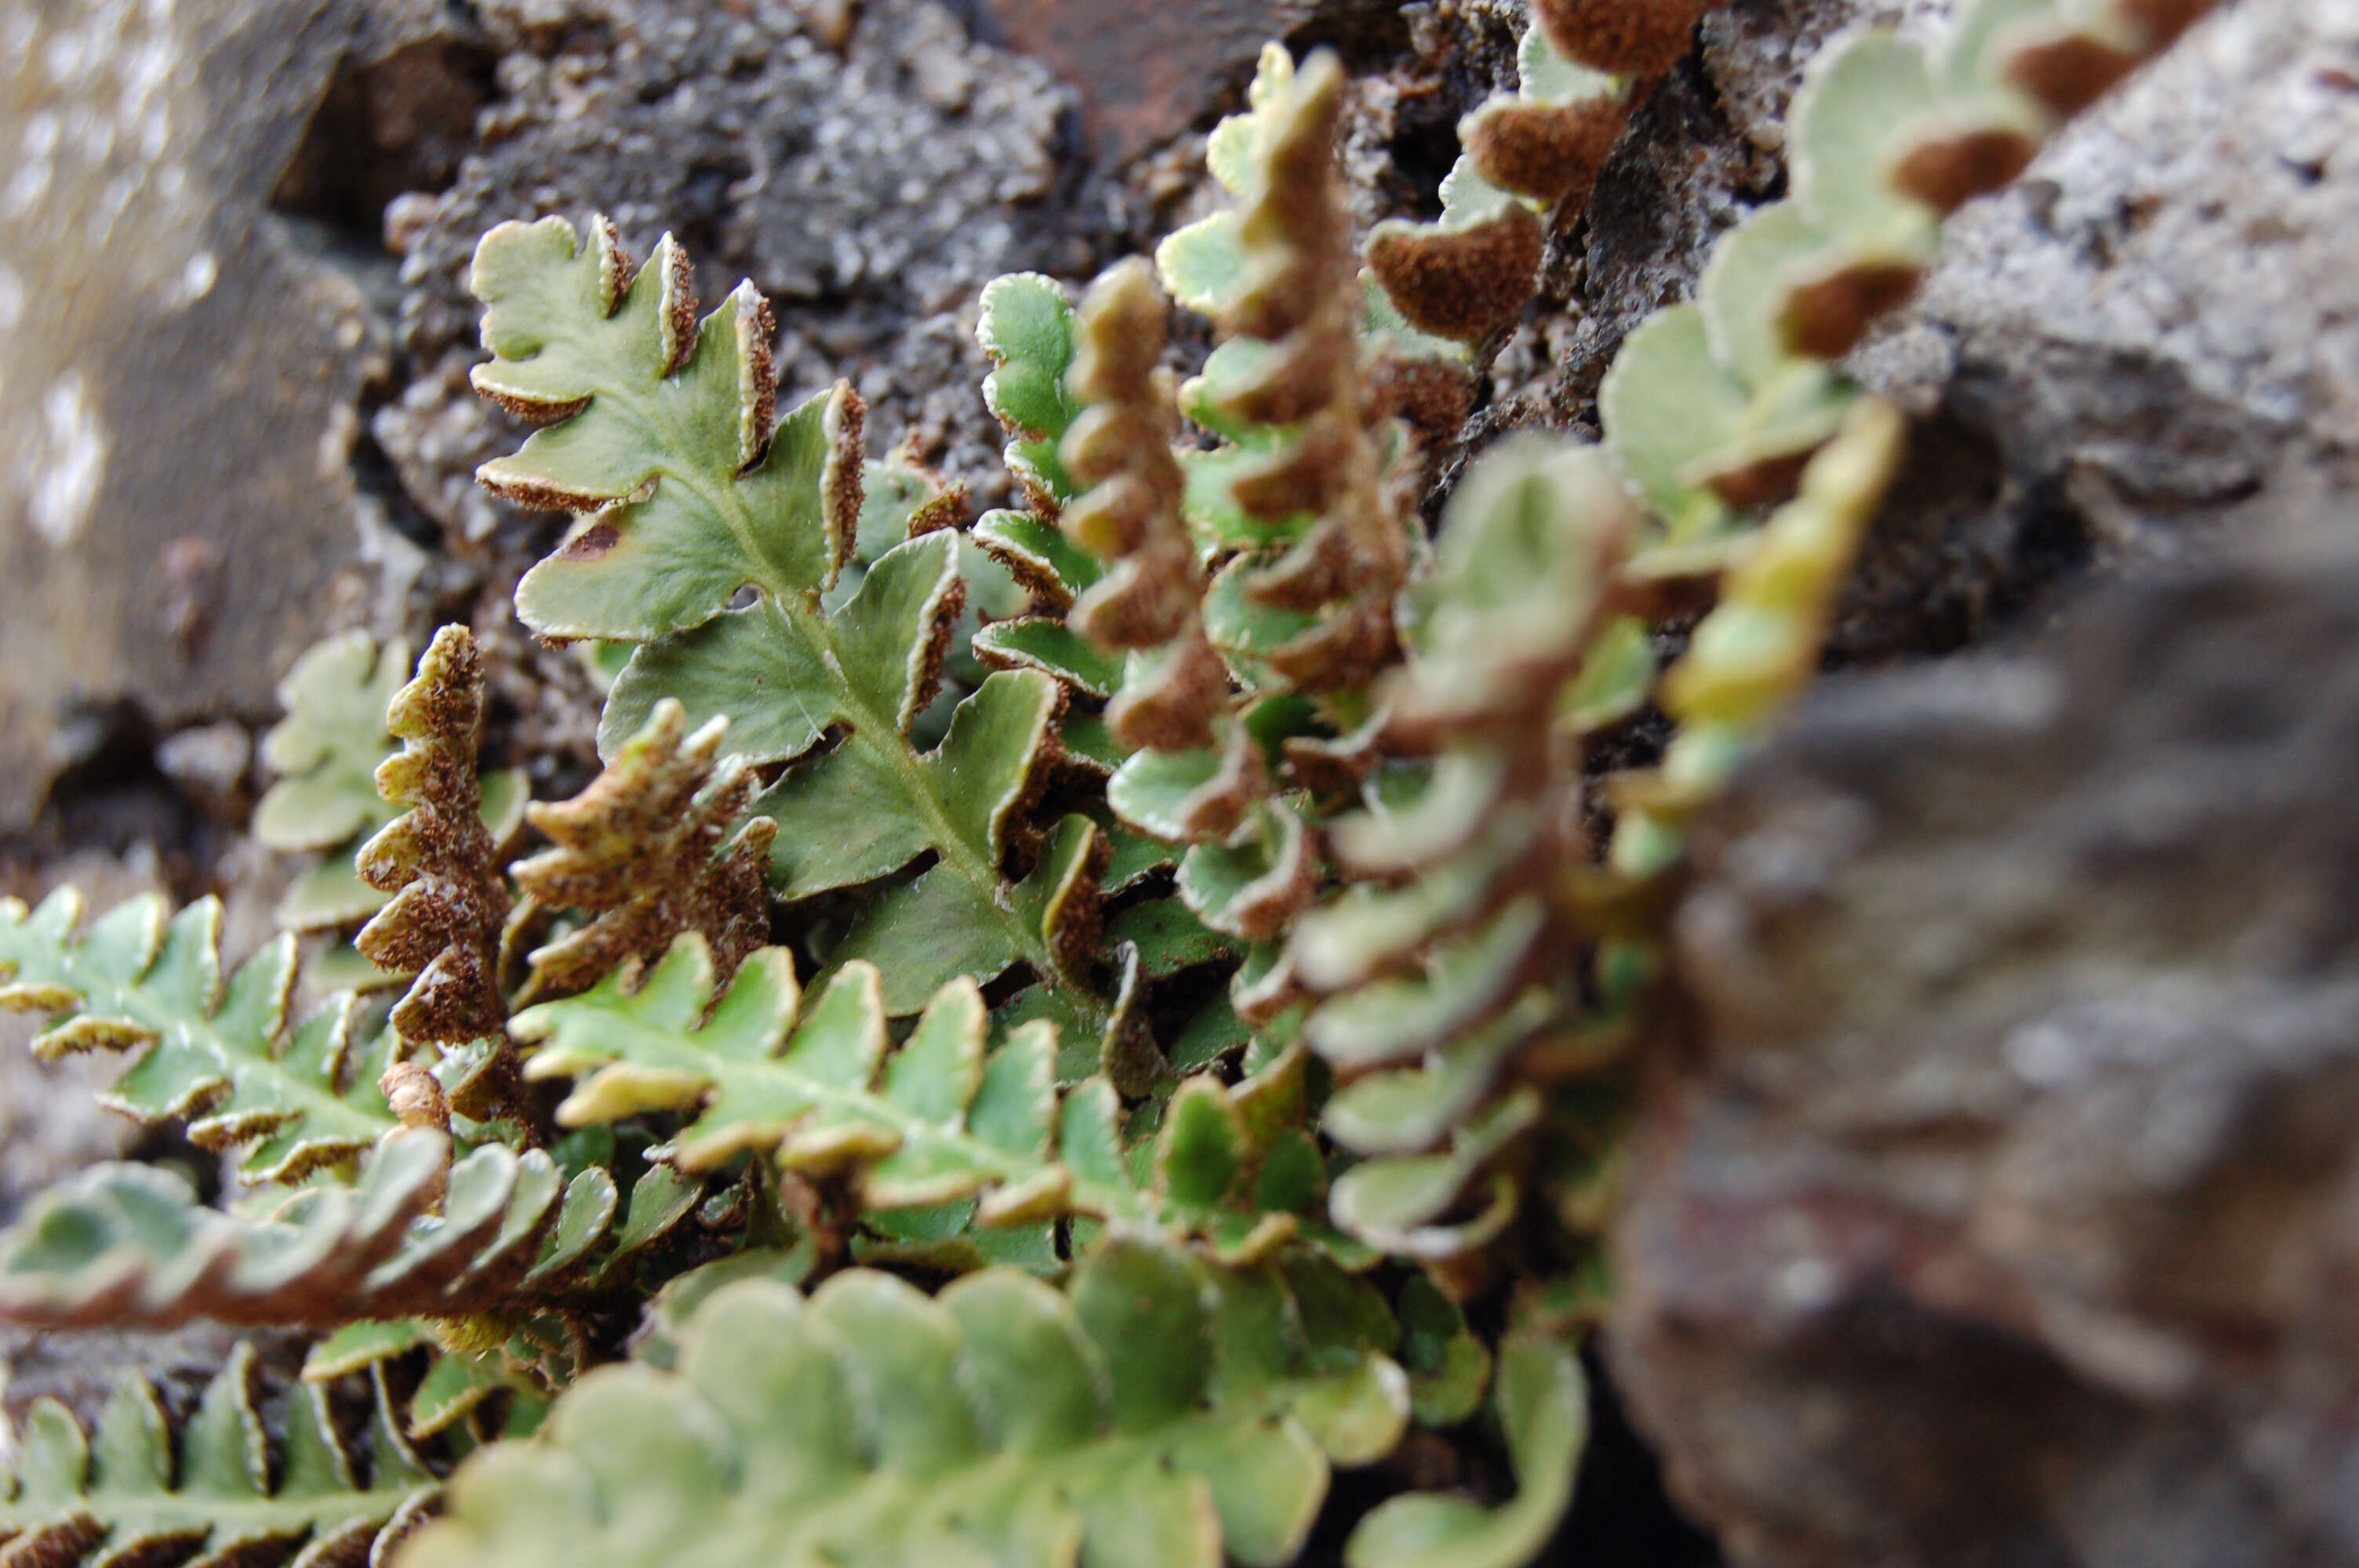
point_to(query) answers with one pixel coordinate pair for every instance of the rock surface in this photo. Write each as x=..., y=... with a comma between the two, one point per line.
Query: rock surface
x=177, y=417
x=2007, y=1212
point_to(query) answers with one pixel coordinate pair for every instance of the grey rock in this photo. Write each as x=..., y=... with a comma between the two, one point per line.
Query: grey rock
x=870, y=180
x=213, y=764
x=181, y=370
x=2004, y=1208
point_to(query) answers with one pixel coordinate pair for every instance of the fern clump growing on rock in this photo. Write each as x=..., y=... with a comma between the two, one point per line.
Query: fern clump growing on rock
x=1049, y=1035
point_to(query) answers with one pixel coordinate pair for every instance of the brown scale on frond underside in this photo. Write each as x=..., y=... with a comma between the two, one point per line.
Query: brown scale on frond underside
x=1121, y=445
x=1552, y=153
x=642, y=850
x=842, y=482
x=437, y=859
x=1628, y=37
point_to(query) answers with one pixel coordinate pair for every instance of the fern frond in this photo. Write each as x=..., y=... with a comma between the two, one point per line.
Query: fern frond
x=417, y=1232
x=641, y=849
x=216, y=1054
x=449, y=900
x=326, y=751
x=1755, y=652
x=130, y=1493
x=937, y=1119
x=1153, y=1413
x=1456, y=953
x=1543, y=1408
x=664, y=424
x=1025, y=328
x=1714, y=407
x=1532, y=158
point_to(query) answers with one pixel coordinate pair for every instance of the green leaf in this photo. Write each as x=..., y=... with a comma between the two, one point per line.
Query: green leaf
x=1665, y=404
x=326, y=750
x=1049, y=566
x=1145, y=1417
x=1543, y=1405
x=111, y=1498
x=1025, y=327
x=1039, y=643
x=216, y=1055
x=1449, y=1367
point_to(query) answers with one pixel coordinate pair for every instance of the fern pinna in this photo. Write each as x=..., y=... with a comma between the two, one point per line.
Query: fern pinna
x=1043, y=1029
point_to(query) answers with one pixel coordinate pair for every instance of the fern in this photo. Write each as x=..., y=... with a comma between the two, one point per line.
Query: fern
x=326, y=751
x=449, y=900
x=216, y=1054
x=641, y=849
x=1532, y=158
x=1714, y=407
x=1150, y=1413
x=1543, y=1410
x=934, y=1120
x=129, y=1493
x=415, y=1232
x=665, y=426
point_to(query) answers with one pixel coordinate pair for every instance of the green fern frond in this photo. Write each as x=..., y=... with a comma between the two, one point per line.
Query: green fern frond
x=1457, y=954
x=665, y=425
x=1714, y=407
x=415, y=1232
x=1759, y=648
x=1543, y=1409
x=130, y=1493
x=216, y=1054
x=1153, y=1413
x=942, y=1117
x=1025, y=327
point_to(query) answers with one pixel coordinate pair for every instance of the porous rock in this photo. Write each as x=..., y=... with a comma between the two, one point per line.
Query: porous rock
x=868, y=171
x=2004, y=1208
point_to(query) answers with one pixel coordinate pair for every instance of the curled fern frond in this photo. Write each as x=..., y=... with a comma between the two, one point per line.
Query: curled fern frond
x=942, y=1117
x=1026, y=331
x=136, y=1491
x=417, y=1232
x=1531, y=159
x=326, y=751
x=642, y=850
x=215, y=1054
x=1153, y=1412
x=449, y=899
x=1756, y=651
x=663, y=425
x=1714, y=407
x=1455, y=954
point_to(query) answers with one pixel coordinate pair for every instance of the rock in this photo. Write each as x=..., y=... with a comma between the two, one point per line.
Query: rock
x=2005, y=1206
x=181, y=368
x=1148, y=72
x=213, y=764
x=2155, y=333
x=869, y=192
